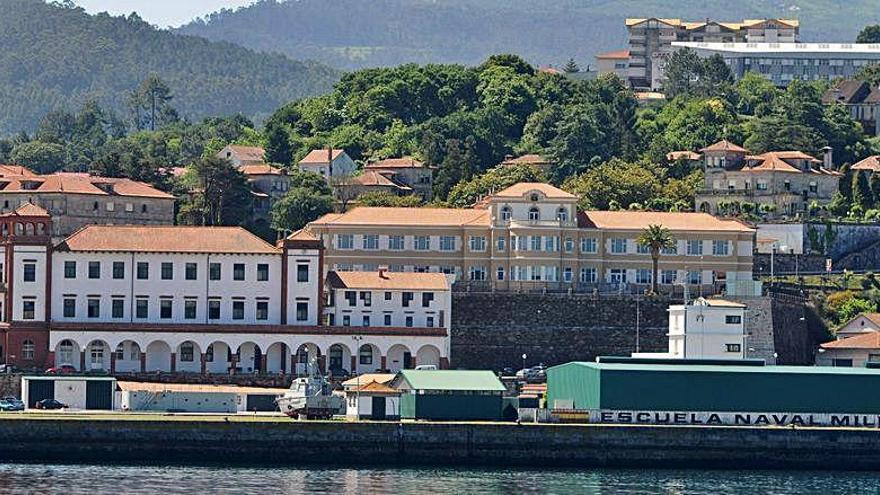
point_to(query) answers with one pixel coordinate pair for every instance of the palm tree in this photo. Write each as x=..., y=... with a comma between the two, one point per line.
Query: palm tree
x=656, y=238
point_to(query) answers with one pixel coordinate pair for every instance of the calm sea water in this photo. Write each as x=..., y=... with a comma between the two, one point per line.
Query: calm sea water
x=81, y=479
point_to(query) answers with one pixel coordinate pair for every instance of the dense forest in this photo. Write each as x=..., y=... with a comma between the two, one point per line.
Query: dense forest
x=55, y=56
x=355, y=33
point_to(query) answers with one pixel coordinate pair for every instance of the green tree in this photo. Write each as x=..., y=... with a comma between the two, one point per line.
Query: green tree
x=656, y=238
x=754, y=94
x=571, y=67
x=151, y=104
x=42, y=158
x=466, y=193
x=299, y=207
x=309, y=180
x=683, y=70
x=870, y=74
x=861, y=192
x=869, y=34
x=614, y=182
x=219, y=194
x=382, y=198
x=579, y=141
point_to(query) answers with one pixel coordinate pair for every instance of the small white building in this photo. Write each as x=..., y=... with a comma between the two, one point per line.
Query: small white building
x=705, y=329
x=76, y=392
x=851, y=352
x=373, y=400
x=861, y=324
x=195, y=398
x=328, y=163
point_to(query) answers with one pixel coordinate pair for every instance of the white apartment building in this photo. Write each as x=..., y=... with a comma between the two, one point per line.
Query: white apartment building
x=705, y=329
x=328, y=163
x=182, y=299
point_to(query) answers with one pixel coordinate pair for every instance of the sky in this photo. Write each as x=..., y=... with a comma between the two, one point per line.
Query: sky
x=163, y=13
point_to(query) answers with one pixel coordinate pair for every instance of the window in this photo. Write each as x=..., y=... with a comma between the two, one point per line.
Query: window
x=422, y=242
x=262, y=310
x=365, y=321
x=387, y=320
x=761, y=185
x=671, y=251
x=345, y=241
x=787, y=185
x=143, y=270
x=588, y=245
x=643, y=276
x=535, y=243
x=365, y=355
x=94, y=269
x=500, y=273
x=129, y=207
x=447, y=243
x=500, y=244
x=189, y=309
x=733, y=319
x=534, y=214
x=143, y=208
x=694, y=248
x=142, y=307
x=567, y=274
x=238, y=271
x=94, y=308
x=842, y=363
x=367, y=298
x=409, y=321
x=351, y=297
x=302, y=273
x=214, y=309
x=618, y=246
x=395, y=242
x=165, y=311
x=191, y=271
x=214, y=271
x=387, y=296
x=371, y=241
x=733, y=347
x=262, y=272
x=237, y=310
x=27, y=349
x=30, y=272
x=617, y=276
x=505, y=213
x=186, y=352
x=406, y=298
x=551, y=243
x=562, y=215
x=69, y=307
x=643, y=248
x=695, y=277
x=117, y=308
x=814, y=187
x=27, y=310
x=427, y=299
x=167, y=271
x=70, y=269
x=118, y=270
x=477, y=273
x=478, y=243
x=110, y=206
x=569, y=244
x=346, y=320
x=667, y=277
x=720, y=248
x=588, y=276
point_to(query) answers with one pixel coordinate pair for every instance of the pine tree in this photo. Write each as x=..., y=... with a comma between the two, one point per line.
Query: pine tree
x=861, y=192
x=571, y=67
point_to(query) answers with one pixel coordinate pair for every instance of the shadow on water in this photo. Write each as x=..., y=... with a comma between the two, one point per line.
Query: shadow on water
x=75, y=479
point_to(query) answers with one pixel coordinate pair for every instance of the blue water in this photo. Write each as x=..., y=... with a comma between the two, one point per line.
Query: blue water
x=82, y=479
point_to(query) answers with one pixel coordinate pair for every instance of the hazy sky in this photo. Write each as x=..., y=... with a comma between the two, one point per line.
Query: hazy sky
x=162, y=13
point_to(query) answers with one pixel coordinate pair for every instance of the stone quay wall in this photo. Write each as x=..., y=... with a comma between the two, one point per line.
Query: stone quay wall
x=291, y=443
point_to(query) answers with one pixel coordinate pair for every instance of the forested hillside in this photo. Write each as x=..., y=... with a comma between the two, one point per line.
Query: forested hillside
x=358, y=33
x=56, y=56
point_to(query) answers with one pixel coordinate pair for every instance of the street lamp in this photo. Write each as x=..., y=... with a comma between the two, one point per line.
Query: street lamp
x=357, y=391
x=524, y=363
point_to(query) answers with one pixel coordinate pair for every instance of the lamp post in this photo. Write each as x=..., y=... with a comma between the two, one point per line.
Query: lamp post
x=524, y=363
x=357, y=391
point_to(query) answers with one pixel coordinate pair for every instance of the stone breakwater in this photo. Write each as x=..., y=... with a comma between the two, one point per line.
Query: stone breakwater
x=291, y=443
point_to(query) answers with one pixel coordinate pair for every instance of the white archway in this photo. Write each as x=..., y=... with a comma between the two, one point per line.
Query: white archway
x=277, y=358
x=428, y=355
x=369, y=359
x=189, y=357
x=338, y=358
x=97, y=356
x=158, y=356
x=128, y=357
x=217, y=356
x=249, y=357
x=67, y=354
x=306, y=354
x=399, y=357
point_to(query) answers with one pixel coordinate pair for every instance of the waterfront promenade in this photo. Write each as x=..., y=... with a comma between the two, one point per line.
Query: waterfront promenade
x=274, y=440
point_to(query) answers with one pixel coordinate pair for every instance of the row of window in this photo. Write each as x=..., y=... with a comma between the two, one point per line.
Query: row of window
x=407, y=298
x=166, y=271
x=396, y=242
x=367, y=320
x=586, y=275
x=57, y=204
x=166, y=308
x=535, y=213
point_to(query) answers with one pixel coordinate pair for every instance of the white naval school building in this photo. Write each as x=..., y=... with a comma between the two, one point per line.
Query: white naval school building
x=193, y=299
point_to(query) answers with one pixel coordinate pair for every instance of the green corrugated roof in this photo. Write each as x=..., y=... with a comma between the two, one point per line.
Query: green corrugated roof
x=672, y=367
x=453, y=380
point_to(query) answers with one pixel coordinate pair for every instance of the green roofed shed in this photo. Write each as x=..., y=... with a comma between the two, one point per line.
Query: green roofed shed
x=449, y=394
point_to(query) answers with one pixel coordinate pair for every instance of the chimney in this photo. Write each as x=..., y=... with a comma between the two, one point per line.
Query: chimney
x=828, y=158
x=330, y=161
x=383, y=272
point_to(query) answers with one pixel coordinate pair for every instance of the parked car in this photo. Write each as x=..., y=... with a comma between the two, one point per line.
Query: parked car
x=8, y=368
x=426, y=367
x=535, y=374
x=64, y=369
x=11, y=404
x=50, y=404
x=507, y=371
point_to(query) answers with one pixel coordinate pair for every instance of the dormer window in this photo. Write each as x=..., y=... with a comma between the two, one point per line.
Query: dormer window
x=505, y=213
x=534, y=213
x=534, y=197
x=562, y=215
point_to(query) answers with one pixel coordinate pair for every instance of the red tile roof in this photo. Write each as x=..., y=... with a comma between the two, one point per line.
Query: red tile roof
x=15, y=170
x=688, y=155
x=388, y=280
x=166, y=239
x=76, y=183
x=246, y=153
x=259, y=169
x=319, y=156
x=640, y=220
x=871, y=163
x=868, y=340
x=403, y=162
x=616, y=55
x=387, y=216
x=30, y=210
x=524, y=188
x=373, y=178
x=725, y=145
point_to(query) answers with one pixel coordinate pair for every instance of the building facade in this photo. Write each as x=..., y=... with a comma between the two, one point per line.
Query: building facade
x=76, y=200
x=531, y=236
x=328, y=163
x=181, y=299
x=616, y=62
x=406, y=171
x=784, y=183
x=651, y=41
x=708, y=329
x=862, y=101
x=851, y=352
x=784, y=62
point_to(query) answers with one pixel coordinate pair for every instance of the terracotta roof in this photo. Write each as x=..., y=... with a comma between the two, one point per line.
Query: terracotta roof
x=871, y=163
x=245, y=153
x=15, y=170
x=403, y=162
x=787, y=155
x=30, y=210
x=529, y=159
x=75, y=183
x=523, y=188
x=869, y=340
x=776, y=161
x=616, y=55
x=166, y=239
x=319, y=156
x=377, y=388
x=851, y=93
x=725, y=145
x=373, y=178
x=368, y=377
x=873, y=317
x=388, y=280
x=438, y=217
x=772, y=163
x=689, y=155
x=668, y=21
x=302, y=235
x=194, y=387
x=259, y=169
x=640, y=220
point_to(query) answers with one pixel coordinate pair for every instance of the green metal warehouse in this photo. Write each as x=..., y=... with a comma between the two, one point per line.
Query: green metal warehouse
x=449, y=395
x=622, y=386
